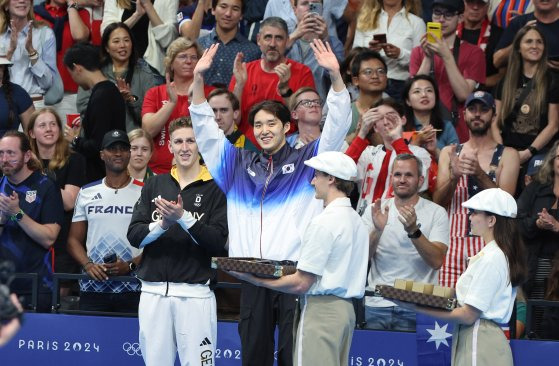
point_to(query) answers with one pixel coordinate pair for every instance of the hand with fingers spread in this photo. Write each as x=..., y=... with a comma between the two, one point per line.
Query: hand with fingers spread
x=240, y=69
x=325, y=56
x=96, y=271
x=205, y=62
x=171, y=89
x=408, y=218
x=380, y=216
x=124, y=89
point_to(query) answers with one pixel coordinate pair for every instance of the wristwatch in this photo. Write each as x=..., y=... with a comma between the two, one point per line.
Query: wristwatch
x=132, y=266
x=416, y=234
x=18, y=216
x=532, y=150
x=74, y=5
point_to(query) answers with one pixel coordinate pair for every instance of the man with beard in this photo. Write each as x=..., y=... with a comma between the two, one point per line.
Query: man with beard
x=273, y=77
x=101, y=216
x=31, y=216
x=467, y=169
x=408, y=239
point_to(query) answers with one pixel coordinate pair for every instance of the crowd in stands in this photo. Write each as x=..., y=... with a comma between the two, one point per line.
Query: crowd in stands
x=476, y=106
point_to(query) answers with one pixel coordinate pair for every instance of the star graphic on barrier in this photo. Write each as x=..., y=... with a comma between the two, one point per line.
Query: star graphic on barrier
x=439, y=335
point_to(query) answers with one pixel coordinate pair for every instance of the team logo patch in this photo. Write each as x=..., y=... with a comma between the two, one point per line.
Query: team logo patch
x=198, y=200
x=179, y=17
x=30, y=196
x=479, y=94
x=288, y=168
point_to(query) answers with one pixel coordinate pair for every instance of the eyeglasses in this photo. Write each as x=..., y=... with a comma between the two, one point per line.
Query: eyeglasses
x=308, y=103
x=448, y=14
x=368, y=72
x=184, y=57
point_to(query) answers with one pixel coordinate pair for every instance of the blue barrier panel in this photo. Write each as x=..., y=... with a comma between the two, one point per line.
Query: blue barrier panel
x=70, y=340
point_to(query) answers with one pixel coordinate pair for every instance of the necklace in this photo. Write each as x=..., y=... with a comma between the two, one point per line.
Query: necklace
x=120, y=186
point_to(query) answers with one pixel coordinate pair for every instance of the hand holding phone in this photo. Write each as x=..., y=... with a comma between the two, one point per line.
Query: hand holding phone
x=380, y=38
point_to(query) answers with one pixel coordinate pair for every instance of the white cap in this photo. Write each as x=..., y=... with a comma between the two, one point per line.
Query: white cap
x=493, y=200
x=335, y=163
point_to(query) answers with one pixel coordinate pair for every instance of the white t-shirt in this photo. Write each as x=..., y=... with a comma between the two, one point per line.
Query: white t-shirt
x=486, y=285
x=108, y=213
x=335, y=248
x=396, y=256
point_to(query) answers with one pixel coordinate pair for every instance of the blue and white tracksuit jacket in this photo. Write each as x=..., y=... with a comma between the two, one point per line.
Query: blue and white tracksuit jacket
x=270, y=200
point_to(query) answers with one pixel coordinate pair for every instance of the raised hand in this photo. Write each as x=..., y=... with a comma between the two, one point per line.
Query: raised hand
x=368, y=120
x=284, y=73
x=408, y=218
x=240, y=69
x=324, y=56
x=455, y=169
x=29, y=40
x=124, y=89
x=380, y=216
x=205, y=62
x=171, y=89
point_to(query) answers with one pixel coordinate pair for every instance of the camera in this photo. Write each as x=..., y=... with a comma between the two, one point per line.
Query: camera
x=8, y=310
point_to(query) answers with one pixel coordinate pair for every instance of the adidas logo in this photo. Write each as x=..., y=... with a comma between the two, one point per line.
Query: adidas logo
x=205, y=342
x=97, y=197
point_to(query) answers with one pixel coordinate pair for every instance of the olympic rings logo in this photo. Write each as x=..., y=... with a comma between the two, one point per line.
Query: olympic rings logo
x=132, y=349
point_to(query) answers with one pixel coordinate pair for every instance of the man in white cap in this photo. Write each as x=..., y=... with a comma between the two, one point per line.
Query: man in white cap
x=331, y=269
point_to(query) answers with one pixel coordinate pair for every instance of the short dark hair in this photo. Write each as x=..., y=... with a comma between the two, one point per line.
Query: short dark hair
x=178, y=123
x=25, y=146
x=392, y=103
x=83, y=54
x=215, y=2
x=363, y=56
x=275, y=22
x=406, y=157
x=228, y=94
x=278, y=109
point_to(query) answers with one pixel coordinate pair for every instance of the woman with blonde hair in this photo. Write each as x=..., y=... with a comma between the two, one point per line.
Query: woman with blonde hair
x=30, y=45
x=66, y=169
x=141, y=149
x=392, y=28
x=527, y=99
x=164, y=103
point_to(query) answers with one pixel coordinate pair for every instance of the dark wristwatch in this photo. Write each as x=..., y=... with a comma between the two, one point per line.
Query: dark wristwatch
x=132, y=266
x=416, y=234
x=287, y=94
x=533, y=150
x=18, y=216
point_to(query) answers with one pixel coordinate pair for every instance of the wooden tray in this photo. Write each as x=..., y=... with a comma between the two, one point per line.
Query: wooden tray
x=257, y=266
x=418, y=298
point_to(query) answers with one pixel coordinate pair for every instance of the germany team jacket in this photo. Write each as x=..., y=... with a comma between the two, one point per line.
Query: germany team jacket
x=180, y=256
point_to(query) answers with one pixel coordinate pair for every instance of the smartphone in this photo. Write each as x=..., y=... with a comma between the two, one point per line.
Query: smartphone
x=315, y=8
x=435, y=28
x=109, y=258
x=380, y=38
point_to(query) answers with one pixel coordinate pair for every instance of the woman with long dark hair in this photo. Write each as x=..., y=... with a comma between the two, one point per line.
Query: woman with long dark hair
x=538, y=209
x=67, y=170
x=486, y=291
x=527, y=99
x=121, y=64
x=16, y=105
x=424, y=115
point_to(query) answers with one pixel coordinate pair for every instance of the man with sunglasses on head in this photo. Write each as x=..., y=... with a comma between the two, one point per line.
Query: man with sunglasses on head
x=465, y=170
x=458, y=67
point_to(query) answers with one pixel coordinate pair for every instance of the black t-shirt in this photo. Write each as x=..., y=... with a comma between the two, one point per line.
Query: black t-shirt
x=472, y=36
x=105, y=111
x=40, y=199
x=73, y=173
x=521, y=131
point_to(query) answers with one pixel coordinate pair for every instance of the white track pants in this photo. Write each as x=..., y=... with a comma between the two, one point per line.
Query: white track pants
x=184, y=324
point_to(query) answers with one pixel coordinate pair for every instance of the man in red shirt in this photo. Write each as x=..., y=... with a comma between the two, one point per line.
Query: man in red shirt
x=274, y=77
x=457, y=73
x=70, y=25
